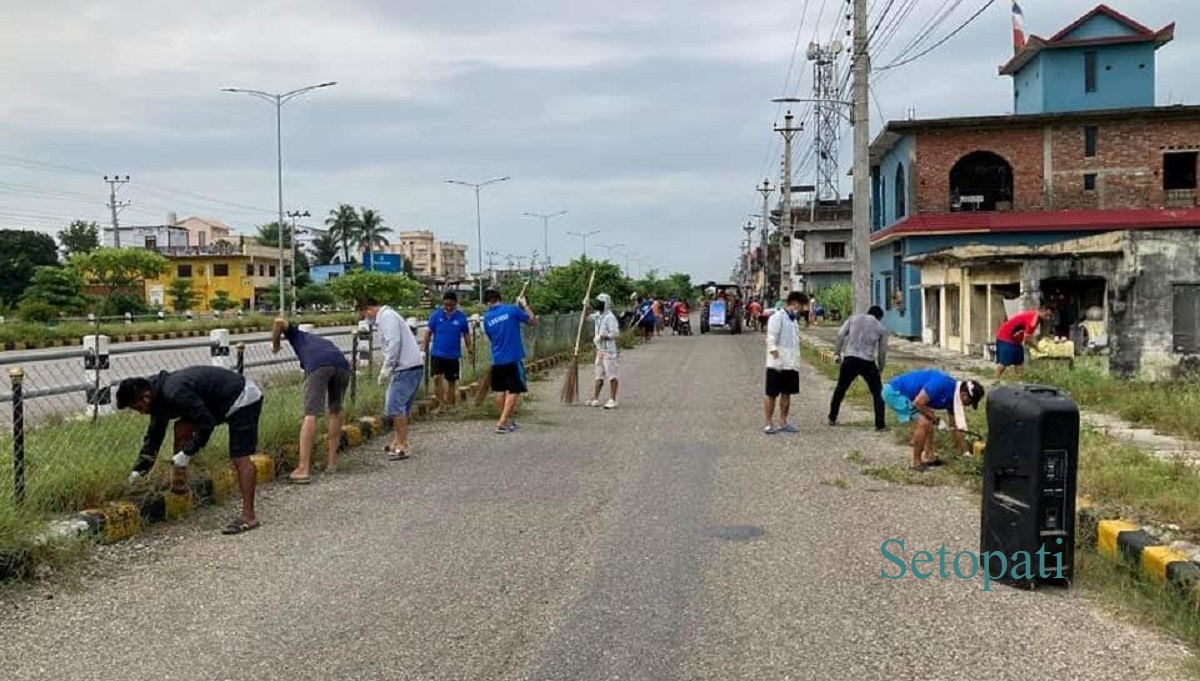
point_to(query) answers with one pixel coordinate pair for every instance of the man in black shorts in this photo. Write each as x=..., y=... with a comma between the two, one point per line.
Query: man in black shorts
x=326, y=377
x=445, y=333
x=198, y=399
x=502, y=324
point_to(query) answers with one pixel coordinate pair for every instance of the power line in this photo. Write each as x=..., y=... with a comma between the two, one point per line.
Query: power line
x=947, y=37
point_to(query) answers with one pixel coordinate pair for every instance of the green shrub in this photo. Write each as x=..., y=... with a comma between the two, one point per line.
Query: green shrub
x=32, y=310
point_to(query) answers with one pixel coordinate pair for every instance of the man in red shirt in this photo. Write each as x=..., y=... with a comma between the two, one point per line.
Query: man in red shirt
x=1014, y=334
x=754, y=310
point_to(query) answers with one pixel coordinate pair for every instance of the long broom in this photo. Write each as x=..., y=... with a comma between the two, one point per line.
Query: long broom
x=485, y=382
x=570, y=389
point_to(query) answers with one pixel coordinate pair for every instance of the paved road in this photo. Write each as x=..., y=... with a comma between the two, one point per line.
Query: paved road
x=665, y=540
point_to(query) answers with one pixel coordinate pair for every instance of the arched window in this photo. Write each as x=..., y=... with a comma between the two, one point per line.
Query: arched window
x=883, y=205
x=981, y=180
x=901, y=193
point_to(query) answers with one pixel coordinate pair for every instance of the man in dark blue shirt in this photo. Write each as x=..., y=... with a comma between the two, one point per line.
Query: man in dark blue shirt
x=445, y=332
x=502, y=324
x=326, y=376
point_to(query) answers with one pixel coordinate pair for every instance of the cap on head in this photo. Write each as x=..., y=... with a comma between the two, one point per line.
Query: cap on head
x=975, y=392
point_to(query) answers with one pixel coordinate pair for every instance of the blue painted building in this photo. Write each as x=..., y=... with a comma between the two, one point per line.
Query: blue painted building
x=1064, y=166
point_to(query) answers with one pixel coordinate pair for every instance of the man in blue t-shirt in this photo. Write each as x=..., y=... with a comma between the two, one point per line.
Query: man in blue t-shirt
x=917, y=395
x=502, y=324
x=445, y=333
x=326, y=377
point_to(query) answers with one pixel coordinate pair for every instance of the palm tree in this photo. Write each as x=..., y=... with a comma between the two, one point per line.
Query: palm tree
x=343, y=228
x=268, y=235
x=370, y=232
x=325, y=249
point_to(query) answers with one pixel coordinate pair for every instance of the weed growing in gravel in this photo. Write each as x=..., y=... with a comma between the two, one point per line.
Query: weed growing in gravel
x=857, y=457
x=836, y=481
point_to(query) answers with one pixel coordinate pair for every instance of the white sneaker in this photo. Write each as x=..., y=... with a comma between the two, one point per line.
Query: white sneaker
x=592, y=403
x=611, y=404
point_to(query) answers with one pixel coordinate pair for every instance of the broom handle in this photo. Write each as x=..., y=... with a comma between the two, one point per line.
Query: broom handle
x=583, y=314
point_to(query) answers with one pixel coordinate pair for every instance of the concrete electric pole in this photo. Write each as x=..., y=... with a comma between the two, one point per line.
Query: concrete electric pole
x=765, y=220
x=789, y=131
x=861, y=241
x=114, y=183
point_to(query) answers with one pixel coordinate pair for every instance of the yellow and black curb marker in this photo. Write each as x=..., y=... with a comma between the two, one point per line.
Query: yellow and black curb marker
x=121, y=520
x=1128, y=543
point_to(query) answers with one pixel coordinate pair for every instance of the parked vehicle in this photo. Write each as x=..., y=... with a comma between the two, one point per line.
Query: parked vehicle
x=722, y=308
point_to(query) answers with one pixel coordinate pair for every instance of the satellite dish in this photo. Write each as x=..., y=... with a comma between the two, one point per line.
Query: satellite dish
x=813, y=51
x=836, y=47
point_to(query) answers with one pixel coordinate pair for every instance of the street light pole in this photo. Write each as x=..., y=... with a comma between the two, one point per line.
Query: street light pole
x=279, y=100
x=610, y=248
x=478, y=221
x=546, y=230
x=584, y=236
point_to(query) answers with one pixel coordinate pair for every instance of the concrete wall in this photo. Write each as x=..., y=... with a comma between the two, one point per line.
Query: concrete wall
x=1142, y=315
x=1029, y=88
x=1124, y=78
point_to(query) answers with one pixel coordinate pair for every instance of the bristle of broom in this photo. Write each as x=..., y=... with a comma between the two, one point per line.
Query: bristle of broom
x=484, y=387
x=570, y=389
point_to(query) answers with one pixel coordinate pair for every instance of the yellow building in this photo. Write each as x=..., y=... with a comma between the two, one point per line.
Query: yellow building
x=243, y=271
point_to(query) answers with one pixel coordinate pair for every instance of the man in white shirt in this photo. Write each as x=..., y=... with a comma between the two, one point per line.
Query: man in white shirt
x=401, y=372
x=607, y=351
x=783, y=364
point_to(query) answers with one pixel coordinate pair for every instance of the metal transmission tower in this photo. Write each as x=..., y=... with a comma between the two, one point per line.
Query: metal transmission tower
x=789, y=130
x=826, y=93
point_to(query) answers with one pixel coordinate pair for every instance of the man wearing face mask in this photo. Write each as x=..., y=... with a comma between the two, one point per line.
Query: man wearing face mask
x=607, y=331
x=783, y=363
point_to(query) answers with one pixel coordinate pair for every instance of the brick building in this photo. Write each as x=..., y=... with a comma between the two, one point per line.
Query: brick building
x=1087, y=153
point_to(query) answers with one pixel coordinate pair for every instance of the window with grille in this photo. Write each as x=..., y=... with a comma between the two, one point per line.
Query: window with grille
x=221, y=269
x=1187, y=318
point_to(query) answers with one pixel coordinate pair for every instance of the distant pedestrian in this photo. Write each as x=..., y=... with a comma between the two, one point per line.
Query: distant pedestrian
x=326, y=377
x=783, y=364
x=198, y=399
x=917, y=395
x=754, y=314
x=607, y=352
x=657, y=309
x=645, y=317
x=861, y=350
x=1014, y=334
x=502, y=323
x=446, y=332
x=402, y=370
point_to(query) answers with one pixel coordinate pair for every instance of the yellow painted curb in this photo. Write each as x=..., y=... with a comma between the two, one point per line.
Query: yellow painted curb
x=178, y=505
x=264, y=467
x=223, y=484
x=1156, y=558
x=353, y=435
x=1106, y=536
x=375, y=423
x=122, y=520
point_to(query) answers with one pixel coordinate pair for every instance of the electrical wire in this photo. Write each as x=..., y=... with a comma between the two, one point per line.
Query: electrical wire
x=946, y=38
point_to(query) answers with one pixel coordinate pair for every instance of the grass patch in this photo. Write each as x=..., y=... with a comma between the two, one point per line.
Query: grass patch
x=857, y=457
x=836, y=481
x=43, y=334
x=1139, y=601
x=1171, y=407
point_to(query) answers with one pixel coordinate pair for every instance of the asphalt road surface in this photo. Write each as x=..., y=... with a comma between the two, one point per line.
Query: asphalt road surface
x=669, y=539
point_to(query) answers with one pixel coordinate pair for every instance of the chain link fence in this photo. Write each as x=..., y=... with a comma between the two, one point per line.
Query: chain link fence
x=63, y=447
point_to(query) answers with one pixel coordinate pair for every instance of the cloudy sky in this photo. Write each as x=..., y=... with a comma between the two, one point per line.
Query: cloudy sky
x=648, y=120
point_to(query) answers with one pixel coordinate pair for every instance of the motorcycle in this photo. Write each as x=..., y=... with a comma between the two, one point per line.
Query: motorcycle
x=683, y=324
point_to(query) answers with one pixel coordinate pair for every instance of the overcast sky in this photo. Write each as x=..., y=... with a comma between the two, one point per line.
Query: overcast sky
x=648, y=120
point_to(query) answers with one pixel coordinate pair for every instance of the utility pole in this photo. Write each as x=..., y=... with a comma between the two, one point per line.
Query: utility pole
x=545, y=218
x=584, y=236
x=114, y=183
x=746, y=263
x=294, y=214
x=789, y=131
x=765, y=219
x=861, y=241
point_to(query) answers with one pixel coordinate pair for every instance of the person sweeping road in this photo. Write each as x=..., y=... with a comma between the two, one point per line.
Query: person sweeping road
x=861, y=350
x=607, y=351
x=915, y=396
x=502, y=324
x=326, y=377
x=198, y=399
